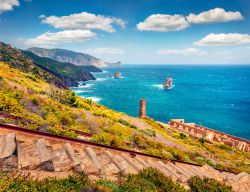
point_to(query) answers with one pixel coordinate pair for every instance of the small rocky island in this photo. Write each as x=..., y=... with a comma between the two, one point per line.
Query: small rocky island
x=117, y=75
x=168, y=83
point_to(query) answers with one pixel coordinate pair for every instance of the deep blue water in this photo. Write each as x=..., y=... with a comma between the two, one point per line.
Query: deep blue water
x=214, y=96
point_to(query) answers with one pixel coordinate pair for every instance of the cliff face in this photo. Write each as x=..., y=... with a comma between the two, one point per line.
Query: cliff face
x=68, y=56
x=69, y=73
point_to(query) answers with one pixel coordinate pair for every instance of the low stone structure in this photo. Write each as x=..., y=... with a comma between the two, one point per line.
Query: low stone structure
x=210, y=134
x=45, y=155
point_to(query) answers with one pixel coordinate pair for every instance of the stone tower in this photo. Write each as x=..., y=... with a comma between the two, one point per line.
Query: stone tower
x=142, y=112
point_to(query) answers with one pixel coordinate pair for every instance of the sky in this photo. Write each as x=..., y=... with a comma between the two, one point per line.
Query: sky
x=133, y=31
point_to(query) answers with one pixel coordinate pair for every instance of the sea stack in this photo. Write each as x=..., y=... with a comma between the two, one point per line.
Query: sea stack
x=168, y=83
x=142, y=112
x=117, y=75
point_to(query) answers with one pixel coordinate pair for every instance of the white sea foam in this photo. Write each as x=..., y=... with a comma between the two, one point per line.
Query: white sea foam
x=95, y=99
x=101, y=79
x=171, y=87
x=81, y=91
x=87, y=86
x=160, y=86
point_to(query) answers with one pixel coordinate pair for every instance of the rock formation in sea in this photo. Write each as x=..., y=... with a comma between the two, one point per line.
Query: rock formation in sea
x=117, y=75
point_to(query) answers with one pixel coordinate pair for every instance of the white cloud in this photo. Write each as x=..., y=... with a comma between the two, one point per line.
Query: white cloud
x=214, y=15
x=84, y=20
x=223, y=39
x=7, y=5
x=188, y=51
x=105, y=50
x=163, y=23
x=66, y=36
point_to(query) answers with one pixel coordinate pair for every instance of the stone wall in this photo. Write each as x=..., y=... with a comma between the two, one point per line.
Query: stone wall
x=44, y=155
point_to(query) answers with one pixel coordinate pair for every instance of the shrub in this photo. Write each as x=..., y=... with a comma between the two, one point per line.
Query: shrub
x=126, y=123
x=210, y=162
x=84, y=105
x=200, y=185
x=149, y=180
x=69, y=98
x=89, y=101
x=59, y=131
x=108, y=139
x=9, y=103
x=183, y=136
x=202, y=140
x=225, y=147
x=42, y=92
x=100, y=113
x=199, y=159
x=186, y=158
x=106, y=186
x=167, y=155
x=31, y=77
x=21, y=182
x=35, y=101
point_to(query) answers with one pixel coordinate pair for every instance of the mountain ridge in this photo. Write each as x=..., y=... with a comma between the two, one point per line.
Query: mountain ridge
x=69, y=73
x=76, y=58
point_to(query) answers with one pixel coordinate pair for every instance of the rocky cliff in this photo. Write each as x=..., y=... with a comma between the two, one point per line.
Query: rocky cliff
x=69, y=73
x=68, y=56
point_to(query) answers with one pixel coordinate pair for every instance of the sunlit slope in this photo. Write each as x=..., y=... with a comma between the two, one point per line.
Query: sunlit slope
x=39, y=105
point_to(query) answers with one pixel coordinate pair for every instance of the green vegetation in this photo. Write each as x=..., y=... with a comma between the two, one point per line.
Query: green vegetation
x=42, y=106
x=14, y=58
x=147, y=180
x=200, y=185
x=37, y=103
x=22, y=182
x=69, y=73
x=150, y=180
x=126, y=123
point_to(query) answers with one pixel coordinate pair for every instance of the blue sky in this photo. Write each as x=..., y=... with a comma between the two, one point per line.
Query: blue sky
x=133, y=31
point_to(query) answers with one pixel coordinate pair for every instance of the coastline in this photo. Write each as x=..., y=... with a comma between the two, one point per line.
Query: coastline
x=173, y=103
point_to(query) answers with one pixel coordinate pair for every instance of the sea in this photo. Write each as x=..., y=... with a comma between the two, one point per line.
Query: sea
x=215, y=96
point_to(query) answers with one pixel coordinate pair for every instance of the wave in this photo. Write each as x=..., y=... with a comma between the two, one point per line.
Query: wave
x=81, y=91
x=87, y=86
x=101, y=79
x=160, y=86
x=95, y=99
x=171, y=87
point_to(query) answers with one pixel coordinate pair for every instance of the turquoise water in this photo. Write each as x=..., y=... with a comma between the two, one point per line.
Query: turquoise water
x=214, y=96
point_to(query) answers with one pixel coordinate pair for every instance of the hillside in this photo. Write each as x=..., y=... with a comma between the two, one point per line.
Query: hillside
x=39, y=105
x=68, y=56
x=69, y=73
x=14, y=58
